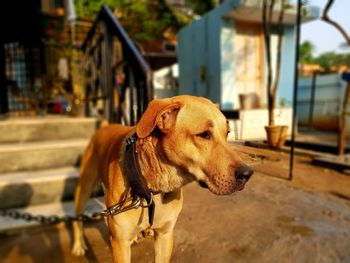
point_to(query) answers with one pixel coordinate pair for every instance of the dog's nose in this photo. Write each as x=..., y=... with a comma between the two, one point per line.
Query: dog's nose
x=243, y=173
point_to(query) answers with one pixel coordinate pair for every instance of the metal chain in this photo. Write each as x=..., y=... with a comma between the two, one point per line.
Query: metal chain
x=51, y=219
x=96, y=216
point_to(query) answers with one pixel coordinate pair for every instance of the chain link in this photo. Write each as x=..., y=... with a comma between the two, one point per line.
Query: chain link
x=48, y=220
x=96, y=216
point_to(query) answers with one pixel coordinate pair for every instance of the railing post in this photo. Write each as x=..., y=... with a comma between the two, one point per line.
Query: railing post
x=87, y=86
x=133, y=99
x=139, y=96
x=149, y=87
x=106, y=56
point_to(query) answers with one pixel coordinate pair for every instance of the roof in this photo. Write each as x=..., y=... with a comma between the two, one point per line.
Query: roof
x=251, y=11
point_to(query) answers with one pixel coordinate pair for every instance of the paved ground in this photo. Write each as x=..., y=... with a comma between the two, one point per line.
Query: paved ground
x=272, y=220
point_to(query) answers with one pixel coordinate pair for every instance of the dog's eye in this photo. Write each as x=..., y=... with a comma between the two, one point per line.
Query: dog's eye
x=204, y=135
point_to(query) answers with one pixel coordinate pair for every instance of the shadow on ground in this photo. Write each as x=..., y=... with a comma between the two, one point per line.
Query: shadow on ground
x=272, y=220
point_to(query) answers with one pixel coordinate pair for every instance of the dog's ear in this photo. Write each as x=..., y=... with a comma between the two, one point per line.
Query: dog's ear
x=161, y=113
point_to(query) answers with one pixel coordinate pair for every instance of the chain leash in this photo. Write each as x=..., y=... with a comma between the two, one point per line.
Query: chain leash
x=48, y=220
x=118, y=208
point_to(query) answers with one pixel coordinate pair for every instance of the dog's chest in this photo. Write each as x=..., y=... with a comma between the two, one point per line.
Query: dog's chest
x=167, y=209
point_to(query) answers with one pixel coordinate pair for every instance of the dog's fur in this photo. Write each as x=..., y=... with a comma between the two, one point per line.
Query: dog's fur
x=181, y=139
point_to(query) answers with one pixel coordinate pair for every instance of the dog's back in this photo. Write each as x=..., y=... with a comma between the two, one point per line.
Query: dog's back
x=105, y=146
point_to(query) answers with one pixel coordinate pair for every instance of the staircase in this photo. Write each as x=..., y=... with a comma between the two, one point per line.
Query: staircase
x=39, y=165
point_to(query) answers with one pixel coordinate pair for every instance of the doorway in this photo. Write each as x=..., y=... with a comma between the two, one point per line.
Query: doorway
x=249, y=59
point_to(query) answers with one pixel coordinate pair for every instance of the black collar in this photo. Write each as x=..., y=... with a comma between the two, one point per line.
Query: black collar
x=134, y=176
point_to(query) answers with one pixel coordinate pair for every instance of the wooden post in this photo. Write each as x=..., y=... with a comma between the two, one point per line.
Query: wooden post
x=344, y=113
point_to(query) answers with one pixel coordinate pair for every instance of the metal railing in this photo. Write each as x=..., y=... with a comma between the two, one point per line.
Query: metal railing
x=118, y=80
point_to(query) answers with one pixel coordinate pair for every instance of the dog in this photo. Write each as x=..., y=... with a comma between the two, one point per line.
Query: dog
x=177, y=140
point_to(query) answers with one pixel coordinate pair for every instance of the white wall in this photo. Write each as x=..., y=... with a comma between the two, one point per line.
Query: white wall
x=252, y=122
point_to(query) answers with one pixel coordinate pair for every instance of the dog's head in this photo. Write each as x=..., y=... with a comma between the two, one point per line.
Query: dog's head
x=193, y=135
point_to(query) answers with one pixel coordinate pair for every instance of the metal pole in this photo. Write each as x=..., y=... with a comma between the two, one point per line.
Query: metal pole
x=296, y=76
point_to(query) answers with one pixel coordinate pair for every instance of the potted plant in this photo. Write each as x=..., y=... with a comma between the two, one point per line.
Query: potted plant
x=276, y=134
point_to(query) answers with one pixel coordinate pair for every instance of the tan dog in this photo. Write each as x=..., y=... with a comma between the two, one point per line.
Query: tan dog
x=179, y=140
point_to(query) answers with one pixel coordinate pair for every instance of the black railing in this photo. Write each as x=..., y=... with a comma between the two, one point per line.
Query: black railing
x=118, y=80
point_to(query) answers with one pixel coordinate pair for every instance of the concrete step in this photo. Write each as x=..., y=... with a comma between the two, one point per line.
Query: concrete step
x=8, y=224
x=40, y=155
x=23, y=189
x=37, y=187
x=46, y=129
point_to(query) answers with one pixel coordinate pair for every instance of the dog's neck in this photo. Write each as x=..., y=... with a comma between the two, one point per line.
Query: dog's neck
x=159, y=174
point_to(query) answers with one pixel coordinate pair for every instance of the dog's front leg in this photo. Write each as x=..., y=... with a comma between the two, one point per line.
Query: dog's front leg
x=121, y=250
x=120, y=239
x=163, y=246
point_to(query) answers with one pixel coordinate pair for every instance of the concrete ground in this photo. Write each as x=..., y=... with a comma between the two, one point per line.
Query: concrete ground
x=272, y=220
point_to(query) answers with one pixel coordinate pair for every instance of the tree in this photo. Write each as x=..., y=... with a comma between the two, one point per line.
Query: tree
x=144, y=20
x=275, y=134
x=306, y=52
x=200, y=7
x=272, y=83
x=327, y=59
x=342, y=121
x=88, y=9
x=325, y=17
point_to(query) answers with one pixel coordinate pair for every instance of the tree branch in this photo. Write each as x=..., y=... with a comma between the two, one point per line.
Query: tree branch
x=326, y=18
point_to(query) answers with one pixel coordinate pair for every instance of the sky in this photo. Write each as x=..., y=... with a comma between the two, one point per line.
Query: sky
x=324, y=36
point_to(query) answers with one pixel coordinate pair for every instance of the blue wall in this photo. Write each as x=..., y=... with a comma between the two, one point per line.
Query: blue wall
x=227, y=65
x=286, y=85
x=207, y=45
x=199, y=50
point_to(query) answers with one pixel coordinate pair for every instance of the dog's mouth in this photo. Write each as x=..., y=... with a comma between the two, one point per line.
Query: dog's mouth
x=203, y=184
x=224, y=189
x=240, y=186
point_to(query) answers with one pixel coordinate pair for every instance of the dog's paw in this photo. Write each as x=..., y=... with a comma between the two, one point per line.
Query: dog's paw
x=79, y=248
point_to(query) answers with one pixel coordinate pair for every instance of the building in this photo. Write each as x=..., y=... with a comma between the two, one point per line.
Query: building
x=221, y=56
x=39, y=55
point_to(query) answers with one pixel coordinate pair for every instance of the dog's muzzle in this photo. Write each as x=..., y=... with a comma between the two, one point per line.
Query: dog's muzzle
x=224, y=185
